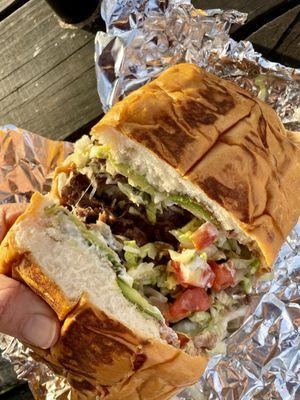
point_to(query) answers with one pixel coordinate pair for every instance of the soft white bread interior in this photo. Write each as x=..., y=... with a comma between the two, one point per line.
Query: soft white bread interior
x=76, y=268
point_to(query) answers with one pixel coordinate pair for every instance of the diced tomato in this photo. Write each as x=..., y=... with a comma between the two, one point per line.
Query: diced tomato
x=191, y=300
x=205, y=235
x=183, y=339
x=199, y=277
x=177, y=270
x=224, y=275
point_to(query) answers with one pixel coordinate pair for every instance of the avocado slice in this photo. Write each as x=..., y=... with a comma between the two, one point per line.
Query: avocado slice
x=193, y=208
x=136, y=298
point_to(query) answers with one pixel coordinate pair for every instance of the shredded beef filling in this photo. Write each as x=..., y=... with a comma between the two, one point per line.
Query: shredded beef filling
x=113, y=207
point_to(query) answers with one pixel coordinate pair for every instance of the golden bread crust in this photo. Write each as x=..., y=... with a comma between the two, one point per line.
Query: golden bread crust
x=226, y=142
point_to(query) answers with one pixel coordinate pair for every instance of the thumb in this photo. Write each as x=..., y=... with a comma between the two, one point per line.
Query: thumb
x=26, y=316
x=8, y=214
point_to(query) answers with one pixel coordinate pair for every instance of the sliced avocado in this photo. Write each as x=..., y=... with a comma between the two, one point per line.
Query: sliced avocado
x=141, y=182
x=254, y=266
x=136, y=298
x=188, y=327
x=193, y=208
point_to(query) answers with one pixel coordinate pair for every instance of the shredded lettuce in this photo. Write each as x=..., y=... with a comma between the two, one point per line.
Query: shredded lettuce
x=185, y=257
x=251, y=266
x=202, y=318
x=246, y=285
x=151, y=211
x=150, y=250
x=80, y=156
x=233, y=245
x=132, y=194
x=268, y=276
x=184, y=234
x=217, y=310
x=131, y=253
x=254, y=266
x=101, y=152
x=167, y=282
x=220, y=348
x=183, y=238
x=135, y=254
x=224, y=298
x=145, y=273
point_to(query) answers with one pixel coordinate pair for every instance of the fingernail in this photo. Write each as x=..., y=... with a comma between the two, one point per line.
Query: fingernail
x=40, y=331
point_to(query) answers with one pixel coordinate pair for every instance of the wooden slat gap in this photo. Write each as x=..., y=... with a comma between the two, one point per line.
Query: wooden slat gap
x=14, y=6
x=287, y=31
x=84, y=130
x=273, y=12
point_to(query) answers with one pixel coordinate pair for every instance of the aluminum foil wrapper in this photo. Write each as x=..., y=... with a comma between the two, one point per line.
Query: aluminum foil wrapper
x=26, y=163
x=144, y=37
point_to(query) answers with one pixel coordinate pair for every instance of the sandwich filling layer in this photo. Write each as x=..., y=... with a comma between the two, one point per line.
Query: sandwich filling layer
x=174, y=254
x=79, y=261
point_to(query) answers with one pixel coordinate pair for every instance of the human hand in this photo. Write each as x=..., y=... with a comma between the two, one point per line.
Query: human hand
x=23, y=314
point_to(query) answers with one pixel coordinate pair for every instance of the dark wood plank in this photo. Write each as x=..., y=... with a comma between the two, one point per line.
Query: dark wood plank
x=18, y=393
x=47, y=77
x=280, y=39
x=287, y=49
x=7, y=7
x=8, y=377
x=259, y=13
x=254, y=8
x=269, y=34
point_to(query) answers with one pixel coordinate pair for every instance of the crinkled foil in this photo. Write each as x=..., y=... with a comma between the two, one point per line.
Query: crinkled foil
x=26, y=163
x=144, y=37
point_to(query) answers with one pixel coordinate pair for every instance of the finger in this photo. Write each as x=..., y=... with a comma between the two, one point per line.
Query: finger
x=8, y=214
x=26, y=316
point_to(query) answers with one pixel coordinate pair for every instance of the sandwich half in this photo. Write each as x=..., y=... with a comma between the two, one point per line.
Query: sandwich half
x=109, y=348
x=155, y=230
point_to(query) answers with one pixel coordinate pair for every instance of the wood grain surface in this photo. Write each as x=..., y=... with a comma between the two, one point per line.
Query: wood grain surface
x=253, y=8
x=7, y=7
x=280, y=38
x=47, y=77
x=4, y=4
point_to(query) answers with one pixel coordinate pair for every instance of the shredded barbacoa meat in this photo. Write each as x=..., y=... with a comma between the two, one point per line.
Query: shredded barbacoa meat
x=105, y=204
